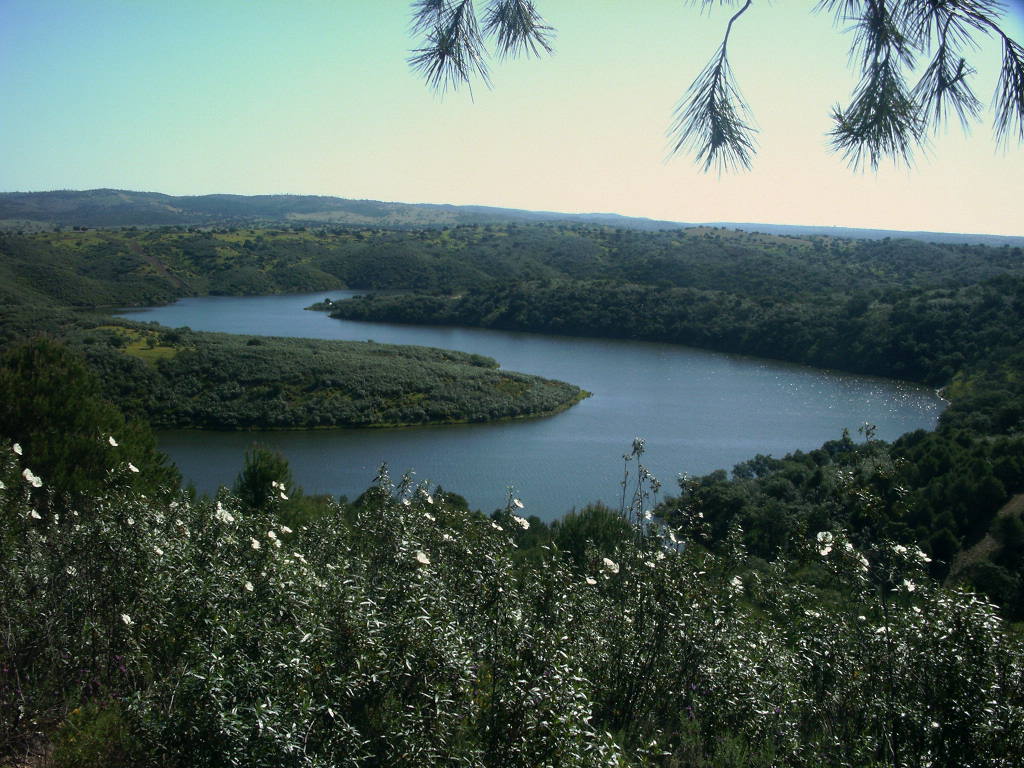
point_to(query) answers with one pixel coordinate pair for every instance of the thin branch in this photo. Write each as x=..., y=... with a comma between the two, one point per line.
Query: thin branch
x=712, y=119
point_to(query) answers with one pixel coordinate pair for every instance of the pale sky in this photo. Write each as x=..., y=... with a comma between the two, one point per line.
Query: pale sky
x=316, y=97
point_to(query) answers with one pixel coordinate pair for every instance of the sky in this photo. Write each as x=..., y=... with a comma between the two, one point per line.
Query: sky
x=316, y=97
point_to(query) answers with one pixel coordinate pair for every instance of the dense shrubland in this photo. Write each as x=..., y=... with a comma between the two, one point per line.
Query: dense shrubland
x=403, y=630
x=942, y=492
x=189, y=379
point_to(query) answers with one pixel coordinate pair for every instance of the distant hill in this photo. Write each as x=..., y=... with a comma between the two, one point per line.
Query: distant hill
x=33, y=211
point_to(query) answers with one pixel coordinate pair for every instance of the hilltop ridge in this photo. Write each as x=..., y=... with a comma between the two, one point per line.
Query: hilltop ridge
x=34, y=211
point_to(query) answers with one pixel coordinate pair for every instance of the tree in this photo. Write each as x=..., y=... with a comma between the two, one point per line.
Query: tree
x=70, y=437
x=264, y=477
x=885, y=118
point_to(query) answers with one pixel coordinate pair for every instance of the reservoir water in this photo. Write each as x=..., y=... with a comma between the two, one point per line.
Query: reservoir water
x=698, y=411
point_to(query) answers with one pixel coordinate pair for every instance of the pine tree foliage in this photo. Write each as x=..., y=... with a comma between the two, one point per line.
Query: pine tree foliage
x=894, y=41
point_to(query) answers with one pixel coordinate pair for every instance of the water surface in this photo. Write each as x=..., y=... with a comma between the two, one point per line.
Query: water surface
x=698, y=411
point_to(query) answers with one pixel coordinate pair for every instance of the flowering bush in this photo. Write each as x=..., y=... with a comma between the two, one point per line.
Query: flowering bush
x=402, y=631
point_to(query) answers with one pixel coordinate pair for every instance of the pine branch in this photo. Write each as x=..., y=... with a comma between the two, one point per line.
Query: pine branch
x=945, y=83
x=454, y=51
x=1009, y=99
x=518, y=27
x=881, y=121
x=712, y=119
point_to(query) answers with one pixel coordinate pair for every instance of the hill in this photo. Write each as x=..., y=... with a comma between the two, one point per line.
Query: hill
x=35, y=211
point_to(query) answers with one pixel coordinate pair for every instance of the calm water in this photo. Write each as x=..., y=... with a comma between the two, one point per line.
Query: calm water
x=698, y=411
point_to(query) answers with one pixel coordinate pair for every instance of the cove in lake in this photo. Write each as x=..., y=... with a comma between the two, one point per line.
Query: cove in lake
x=697, y=410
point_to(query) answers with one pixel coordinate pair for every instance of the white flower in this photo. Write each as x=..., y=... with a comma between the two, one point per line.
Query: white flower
x=591, y=581
x=255, y=544
x=649, y=563
x=271, y=535
x=430, y=499
x=248, y=586
x=277, y=543
x=899, y=549
x=132, y=467
x=284, y=496
x=127, y=619
x=825, y=540
x=922, y=556
x=285, y=529
x=660, y=555
x=429, y=516
x=16, y=448
x=130, y=521
x=909, y=585
x=112, y=441
x=517, y=503
x=406, y=502
x=522, y=522
x=70, y=570
x=421, y=557
x=496, y=527
x=610, y=565
x=34, y=515
x=32, y=479
x=223, y=515
x=736, y=585
x=158, y=550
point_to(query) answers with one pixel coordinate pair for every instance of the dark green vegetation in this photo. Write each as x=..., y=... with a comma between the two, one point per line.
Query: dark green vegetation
x=186, y=379
x=51, y=403
x=793, y=613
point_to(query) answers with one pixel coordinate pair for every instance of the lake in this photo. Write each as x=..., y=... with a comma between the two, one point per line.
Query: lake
x=698, y=411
